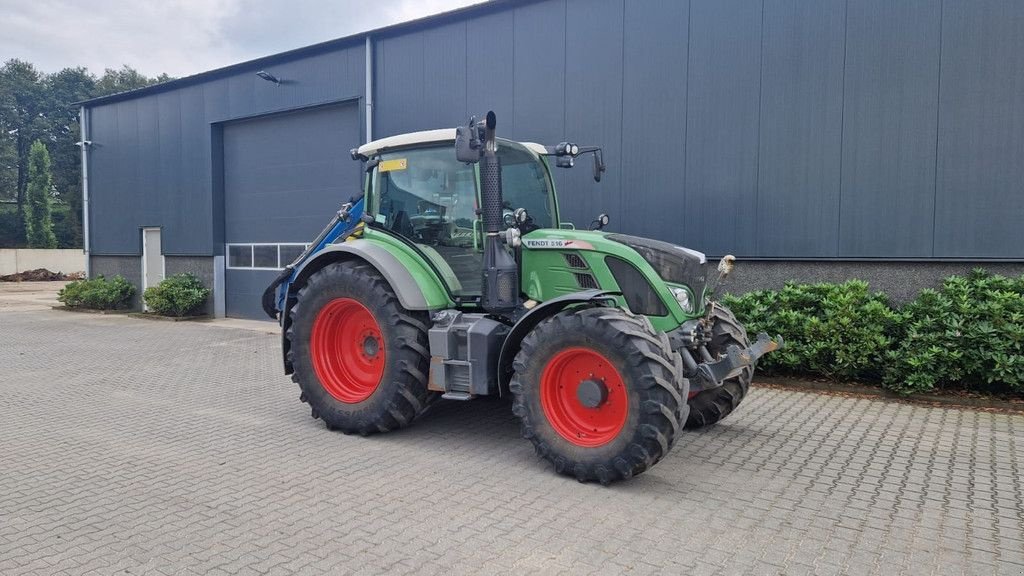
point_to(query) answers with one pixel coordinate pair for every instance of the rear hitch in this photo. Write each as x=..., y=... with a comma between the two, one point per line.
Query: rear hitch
x=713, y=374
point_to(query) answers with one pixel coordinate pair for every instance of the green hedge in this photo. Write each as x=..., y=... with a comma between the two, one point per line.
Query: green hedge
x=178, y=295
x=97, y=293
x=969, y=334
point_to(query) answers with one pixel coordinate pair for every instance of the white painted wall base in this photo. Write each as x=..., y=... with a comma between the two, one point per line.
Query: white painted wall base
x=14, y=260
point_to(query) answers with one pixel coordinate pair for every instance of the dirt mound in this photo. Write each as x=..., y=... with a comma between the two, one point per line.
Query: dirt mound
x=40, y=275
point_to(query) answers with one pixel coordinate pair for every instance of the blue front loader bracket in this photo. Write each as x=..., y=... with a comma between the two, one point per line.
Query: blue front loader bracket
x=345, y=220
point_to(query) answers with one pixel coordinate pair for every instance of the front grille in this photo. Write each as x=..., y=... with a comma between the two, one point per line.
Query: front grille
x=574, y=260
x=585, y=280
x=640, y=296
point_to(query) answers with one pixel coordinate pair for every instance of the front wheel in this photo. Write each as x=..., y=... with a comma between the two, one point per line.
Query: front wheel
x=712, y=406
x=599, y=392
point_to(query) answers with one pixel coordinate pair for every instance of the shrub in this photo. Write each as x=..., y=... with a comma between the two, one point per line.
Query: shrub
x=969, y=333
x=835, y=330
x=97, y=293
x=178, y=295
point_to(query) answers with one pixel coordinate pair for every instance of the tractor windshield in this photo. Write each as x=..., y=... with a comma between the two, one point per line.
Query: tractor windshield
x=525, y=184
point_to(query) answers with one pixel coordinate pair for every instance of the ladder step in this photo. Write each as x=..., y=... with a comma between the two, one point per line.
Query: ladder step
x=457, y=396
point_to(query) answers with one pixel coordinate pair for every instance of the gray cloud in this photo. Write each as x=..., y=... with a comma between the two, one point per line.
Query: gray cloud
x=183, y=37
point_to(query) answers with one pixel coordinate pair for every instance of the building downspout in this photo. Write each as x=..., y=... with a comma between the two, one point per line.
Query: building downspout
x=83, y=120
x=368, y=98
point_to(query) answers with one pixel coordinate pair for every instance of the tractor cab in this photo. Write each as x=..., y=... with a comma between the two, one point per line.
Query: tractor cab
x=416, y=188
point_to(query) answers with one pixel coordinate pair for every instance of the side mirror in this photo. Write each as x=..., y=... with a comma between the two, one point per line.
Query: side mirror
x=600, y=222
x=467, y=146
x=599, y=167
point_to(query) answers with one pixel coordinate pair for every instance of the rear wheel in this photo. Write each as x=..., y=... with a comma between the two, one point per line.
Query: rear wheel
x=360, y=359
x=711, y=406
x=599, y=392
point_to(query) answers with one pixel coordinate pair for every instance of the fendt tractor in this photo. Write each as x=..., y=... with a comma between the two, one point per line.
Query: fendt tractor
x=452, y=276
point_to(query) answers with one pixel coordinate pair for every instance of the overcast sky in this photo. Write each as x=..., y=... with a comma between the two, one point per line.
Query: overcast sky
x=183, y=37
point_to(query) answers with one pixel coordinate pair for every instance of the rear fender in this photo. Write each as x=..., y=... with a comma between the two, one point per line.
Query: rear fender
x=426, y=294
x=411, y=294
x=537, y=315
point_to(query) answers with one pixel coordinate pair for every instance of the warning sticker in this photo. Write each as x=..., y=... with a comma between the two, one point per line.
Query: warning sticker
x=395, y=164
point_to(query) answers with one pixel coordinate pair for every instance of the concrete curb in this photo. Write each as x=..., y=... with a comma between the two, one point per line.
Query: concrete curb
x=91, y=311
x=151, y=316
x=938, y=399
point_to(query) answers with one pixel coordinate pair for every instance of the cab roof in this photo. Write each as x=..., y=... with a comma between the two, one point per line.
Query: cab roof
x=375, y=147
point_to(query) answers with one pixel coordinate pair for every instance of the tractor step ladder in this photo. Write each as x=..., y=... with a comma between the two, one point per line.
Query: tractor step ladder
x=457, y=396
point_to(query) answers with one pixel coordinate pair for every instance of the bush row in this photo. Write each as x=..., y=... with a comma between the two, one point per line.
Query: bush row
x=97, y=293
x=969, y=334
x=178, y=295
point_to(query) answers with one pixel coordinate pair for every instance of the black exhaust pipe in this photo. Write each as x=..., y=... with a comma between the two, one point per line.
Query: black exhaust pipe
x=500, y=274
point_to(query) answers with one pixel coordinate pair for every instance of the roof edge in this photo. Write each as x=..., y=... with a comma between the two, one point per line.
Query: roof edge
x=482, y=7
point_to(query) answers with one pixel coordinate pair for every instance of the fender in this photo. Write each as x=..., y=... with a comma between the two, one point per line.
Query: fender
x=537, y=315
x=409, y=293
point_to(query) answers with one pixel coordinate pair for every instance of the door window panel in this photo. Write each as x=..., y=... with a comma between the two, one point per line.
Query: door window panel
x=429, y=197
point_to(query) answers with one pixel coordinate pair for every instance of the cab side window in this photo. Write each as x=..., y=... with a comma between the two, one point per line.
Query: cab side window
x=429, y=197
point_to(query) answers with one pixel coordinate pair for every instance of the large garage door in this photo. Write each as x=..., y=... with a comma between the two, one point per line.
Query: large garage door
x=284, y=177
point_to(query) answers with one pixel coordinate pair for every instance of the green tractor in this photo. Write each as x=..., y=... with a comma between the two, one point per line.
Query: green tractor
x=453, y=277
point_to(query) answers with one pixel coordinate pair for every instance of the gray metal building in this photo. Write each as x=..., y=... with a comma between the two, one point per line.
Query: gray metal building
x=814, y=139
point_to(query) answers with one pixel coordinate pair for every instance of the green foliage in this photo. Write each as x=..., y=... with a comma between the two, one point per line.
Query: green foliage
x=38, y=106
x=969, y=333
x=836, y=330
x=38, y=217
x=178, y=295
x=10, y=225
x=97, y=293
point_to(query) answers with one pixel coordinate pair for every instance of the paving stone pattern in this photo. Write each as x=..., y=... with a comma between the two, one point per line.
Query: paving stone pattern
x=136, y=447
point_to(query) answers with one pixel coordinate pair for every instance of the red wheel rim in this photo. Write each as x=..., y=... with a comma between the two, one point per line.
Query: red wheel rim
x=347, y=350
x=560, y=397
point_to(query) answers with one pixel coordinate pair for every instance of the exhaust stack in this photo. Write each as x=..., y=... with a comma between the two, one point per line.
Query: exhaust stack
x=500, y=273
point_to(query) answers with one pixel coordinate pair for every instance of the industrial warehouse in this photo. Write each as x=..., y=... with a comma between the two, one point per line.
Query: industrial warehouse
x=812, y=139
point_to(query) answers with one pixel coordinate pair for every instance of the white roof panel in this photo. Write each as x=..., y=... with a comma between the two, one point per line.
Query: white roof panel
x=425, y=137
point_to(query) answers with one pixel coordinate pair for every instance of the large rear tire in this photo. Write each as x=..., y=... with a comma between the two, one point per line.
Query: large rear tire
x=599, y=392
x=711, y=406
x=360, y=358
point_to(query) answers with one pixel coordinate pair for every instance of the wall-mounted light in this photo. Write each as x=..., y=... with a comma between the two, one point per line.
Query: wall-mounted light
x=269, y=77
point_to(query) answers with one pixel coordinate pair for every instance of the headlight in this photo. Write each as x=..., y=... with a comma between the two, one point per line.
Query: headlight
x=683, y=298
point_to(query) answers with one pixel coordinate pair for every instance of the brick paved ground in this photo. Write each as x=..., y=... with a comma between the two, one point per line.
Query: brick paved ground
x=131, y=447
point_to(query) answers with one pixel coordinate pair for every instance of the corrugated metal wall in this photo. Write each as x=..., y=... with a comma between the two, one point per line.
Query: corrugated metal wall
x=765, y=128
x=155, y=159
x=774, y=128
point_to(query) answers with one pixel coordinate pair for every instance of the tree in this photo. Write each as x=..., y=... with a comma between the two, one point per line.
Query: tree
x=63, y=89
x=38, y=217
x=127, y=78
x=37, y=106
x=21, y=122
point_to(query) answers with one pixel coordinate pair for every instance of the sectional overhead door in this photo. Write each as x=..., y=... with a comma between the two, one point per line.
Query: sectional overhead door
x=284, y=177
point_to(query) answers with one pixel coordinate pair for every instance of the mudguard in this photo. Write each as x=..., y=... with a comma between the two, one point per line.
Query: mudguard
x=397, y=275
x=537, y=315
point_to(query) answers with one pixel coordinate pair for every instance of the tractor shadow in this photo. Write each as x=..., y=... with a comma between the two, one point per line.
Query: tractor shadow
x=485, y=429
x=485, y=417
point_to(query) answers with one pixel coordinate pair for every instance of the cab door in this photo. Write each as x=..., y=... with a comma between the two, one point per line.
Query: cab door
x=430, y=198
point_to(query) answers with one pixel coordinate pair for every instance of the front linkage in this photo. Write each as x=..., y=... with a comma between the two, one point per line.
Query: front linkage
x=704, y=369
